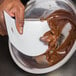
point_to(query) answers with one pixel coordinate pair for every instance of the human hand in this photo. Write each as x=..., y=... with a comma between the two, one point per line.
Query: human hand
x=15, y=9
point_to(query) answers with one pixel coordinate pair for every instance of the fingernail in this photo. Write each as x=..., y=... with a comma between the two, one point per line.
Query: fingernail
x=21, y=30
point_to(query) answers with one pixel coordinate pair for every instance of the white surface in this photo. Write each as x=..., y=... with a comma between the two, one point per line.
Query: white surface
x=29, y=42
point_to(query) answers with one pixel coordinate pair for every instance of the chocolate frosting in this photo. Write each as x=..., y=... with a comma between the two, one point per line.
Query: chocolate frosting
x=58, y=45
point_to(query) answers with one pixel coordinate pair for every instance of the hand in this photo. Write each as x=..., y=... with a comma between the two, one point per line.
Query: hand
x=15, y=9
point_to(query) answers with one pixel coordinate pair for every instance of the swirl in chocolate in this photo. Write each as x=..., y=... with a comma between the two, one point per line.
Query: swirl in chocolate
x=61, y=36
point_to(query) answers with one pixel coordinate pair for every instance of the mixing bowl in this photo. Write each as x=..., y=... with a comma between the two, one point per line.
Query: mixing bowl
x=24, y=48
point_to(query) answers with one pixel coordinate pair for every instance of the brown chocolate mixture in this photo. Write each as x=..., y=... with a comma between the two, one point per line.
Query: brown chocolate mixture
x=57, y=49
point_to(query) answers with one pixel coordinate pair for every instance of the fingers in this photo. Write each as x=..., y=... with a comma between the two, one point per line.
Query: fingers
x=19, y=15
x=17, y=10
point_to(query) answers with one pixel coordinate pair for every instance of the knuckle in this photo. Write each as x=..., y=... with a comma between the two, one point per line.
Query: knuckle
x=22, y=7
